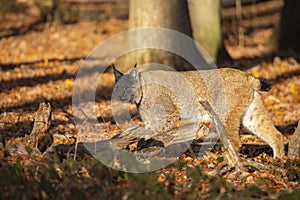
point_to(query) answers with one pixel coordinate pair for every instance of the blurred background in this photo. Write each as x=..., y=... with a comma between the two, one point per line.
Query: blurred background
x=43, y=44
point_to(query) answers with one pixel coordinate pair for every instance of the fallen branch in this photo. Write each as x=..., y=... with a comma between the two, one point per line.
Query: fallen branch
x=261, y=166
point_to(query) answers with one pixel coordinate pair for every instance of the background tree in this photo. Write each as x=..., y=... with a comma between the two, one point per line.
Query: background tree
x=206, y=25
x=289, y=30
x=158, y=13
x=175, y=14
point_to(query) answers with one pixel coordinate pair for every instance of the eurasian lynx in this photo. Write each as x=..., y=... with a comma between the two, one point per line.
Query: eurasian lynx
x=165, y=97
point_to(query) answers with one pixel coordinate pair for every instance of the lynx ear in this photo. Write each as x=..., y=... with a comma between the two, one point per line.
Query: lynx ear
x=134, y=72
x=117, y=74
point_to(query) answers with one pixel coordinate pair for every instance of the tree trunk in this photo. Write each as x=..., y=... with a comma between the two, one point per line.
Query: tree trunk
x=294, y=144
x=206, y=25
x=175, y=15
x=160, y=13
x=170, y=14
x=289, y=30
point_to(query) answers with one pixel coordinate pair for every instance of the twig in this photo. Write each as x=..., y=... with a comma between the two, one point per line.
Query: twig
x=258, y=165
x=238, y=7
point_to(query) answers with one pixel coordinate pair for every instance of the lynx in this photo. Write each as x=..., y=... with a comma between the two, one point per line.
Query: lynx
x=165, y=97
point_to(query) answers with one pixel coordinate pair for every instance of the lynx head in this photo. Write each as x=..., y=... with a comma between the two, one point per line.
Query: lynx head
x=127, y=86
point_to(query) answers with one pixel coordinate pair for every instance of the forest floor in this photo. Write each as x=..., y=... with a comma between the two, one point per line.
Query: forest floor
x=42, y=63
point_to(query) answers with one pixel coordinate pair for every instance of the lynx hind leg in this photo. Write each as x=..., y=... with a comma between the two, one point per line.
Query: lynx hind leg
x=232, y=127
x=257, y=120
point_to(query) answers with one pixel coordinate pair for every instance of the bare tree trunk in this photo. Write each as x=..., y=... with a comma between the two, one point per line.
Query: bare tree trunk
x=206, y=25
x=160, y=13
x=170, y=14
x=289, y=26
x=175, y=15
x=294, y=144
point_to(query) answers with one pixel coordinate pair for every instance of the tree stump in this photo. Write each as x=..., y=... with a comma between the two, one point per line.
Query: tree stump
x=42, y=122
x=294, y=144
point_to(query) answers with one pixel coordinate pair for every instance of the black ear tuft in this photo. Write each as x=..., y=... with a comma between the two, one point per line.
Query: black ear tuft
x=135, y=65
x=118, y=75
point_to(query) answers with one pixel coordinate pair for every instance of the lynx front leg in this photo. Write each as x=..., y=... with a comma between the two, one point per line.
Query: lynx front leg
x=257, y=120
x=160, y=115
